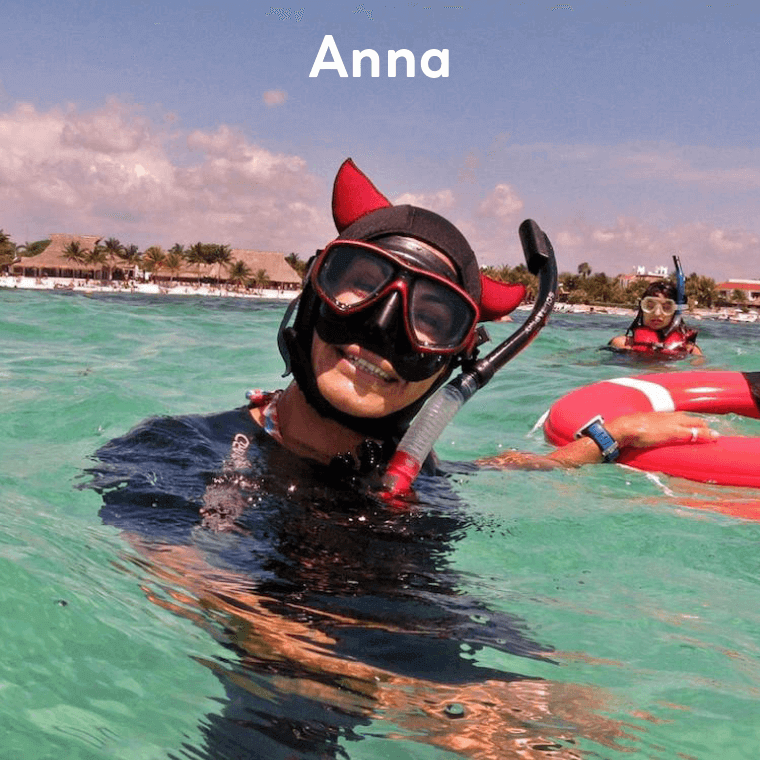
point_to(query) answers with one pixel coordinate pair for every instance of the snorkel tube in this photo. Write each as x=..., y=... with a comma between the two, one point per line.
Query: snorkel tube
x=680, y=286
x=440, y=409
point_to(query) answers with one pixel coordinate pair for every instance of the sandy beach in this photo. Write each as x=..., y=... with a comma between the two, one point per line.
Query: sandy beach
x=146, y=288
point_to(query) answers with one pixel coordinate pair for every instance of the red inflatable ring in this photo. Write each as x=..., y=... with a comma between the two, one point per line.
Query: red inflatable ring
x=731, y=460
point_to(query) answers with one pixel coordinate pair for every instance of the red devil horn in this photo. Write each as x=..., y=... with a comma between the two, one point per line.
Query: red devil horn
x=497, y=299
x=354, y=196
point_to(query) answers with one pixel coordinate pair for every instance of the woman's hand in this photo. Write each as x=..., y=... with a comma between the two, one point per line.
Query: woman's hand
x=644, y=429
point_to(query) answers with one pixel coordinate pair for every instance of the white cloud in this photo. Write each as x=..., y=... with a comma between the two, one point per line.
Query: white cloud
x=629, y=243
x=440, y=201
x=502, y=202
x=114, y=172
x=275, y=97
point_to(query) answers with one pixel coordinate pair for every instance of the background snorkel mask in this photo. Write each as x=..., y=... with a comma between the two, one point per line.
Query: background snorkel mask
x=406, y=233
x=659, y=288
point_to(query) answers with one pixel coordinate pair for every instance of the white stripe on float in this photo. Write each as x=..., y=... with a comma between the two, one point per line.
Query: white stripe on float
x=659, y=397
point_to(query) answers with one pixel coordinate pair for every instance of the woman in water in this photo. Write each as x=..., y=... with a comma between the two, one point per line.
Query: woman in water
x=260, y=523
x=658, y=330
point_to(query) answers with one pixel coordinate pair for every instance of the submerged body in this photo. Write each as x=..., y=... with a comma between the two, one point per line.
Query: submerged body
x=336, y=609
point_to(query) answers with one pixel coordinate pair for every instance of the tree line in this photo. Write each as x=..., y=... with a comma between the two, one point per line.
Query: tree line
x=581, y=287
x=597, y=289
x=112, y=255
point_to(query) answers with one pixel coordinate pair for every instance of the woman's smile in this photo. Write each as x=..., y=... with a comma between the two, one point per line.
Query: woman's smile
x=365, y=362
x=361, y=383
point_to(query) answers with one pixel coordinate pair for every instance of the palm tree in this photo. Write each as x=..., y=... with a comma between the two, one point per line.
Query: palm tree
x=584, y=270
x=154, y=259
x=7, y=251
x=196, y=254
x=221, y=255
x=174, y=262
x=76, y=253
x=97, y=258
x=240, y=274
x=130, y=255
x=261, y=279
x=112, y=249
x=37, y=247
x=6, y=244
x=297, y=263
x=10, y=252
x=701, y=290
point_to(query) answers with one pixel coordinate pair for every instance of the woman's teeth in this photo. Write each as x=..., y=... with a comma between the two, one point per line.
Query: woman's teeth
x=373, y=369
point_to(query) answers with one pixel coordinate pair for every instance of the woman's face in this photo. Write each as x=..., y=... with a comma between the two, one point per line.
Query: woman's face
x=657, y=311
x=360, y=383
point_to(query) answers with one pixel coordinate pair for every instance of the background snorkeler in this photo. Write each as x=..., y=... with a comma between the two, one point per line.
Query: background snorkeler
x=658, y=328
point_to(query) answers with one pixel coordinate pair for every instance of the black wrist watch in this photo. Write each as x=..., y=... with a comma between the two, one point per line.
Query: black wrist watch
x=595, y=430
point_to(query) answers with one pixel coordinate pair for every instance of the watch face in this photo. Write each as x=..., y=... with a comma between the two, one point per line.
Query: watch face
x=606, y=443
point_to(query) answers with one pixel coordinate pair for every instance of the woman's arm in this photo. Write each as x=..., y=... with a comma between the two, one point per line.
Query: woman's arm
x=619, y=341
x=641, y=430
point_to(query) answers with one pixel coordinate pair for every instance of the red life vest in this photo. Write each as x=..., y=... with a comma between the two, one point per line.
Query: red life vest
x=675, y=343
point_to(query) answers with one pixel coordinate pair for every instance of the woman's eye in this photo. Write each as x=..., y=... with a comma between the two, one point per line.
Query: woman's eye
x=432, y=323
x=362, y=284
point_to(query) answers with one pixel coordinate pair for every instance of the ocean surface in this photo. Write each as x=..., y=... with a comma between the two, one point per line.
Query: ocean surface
x=596, y=613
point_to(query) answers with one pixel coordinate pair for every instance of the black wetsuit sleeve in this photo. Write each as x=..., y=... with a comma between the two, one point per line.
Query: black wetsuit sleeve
x=153, y=478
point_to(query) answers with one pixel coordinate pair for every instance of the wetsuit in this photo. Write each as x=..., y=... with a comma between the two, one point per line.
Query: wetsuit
x=318, y=552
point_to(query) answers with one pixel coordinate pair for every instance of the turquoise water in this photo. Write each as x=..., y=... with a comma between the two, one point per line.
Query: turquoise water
x=652, y=607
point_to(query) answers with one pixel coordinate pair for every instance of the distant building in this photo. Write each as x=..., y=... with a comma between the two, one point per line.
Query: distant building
x=640, y=274
x=751, y=288
x=281, y=275
x=52, y=262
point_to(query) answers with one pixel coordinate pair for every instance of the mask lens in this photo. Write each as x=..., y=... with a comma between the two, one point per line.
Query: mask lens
x=438, y=315
x=350, y=276
x=650, y=304
x=353, y=277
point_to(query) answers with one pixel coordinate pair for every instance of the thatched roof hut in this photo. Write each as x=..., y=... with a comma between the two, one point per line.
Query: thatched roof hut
x=52, y=262
x=280, y=273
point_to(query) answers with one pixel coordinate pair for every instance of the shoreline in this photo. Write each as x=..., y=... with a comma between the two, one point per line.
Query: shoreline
x=730, y=314
x=143, y=288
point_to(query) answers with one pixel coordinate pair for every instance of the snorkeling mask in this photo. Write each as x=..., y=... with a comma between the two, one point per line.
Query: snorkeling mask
x=666, y=306
x=401, y=300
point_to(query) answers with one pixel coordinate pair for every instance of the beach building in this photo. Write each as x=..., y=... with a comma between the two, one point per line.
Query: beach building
x=54, y=261
x=280, y=274
x=640, y=274
x=751, y=289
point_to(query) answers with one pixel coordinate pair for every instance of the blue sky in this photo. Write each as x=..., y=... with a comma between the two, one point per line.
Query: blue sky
x=628, y=130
